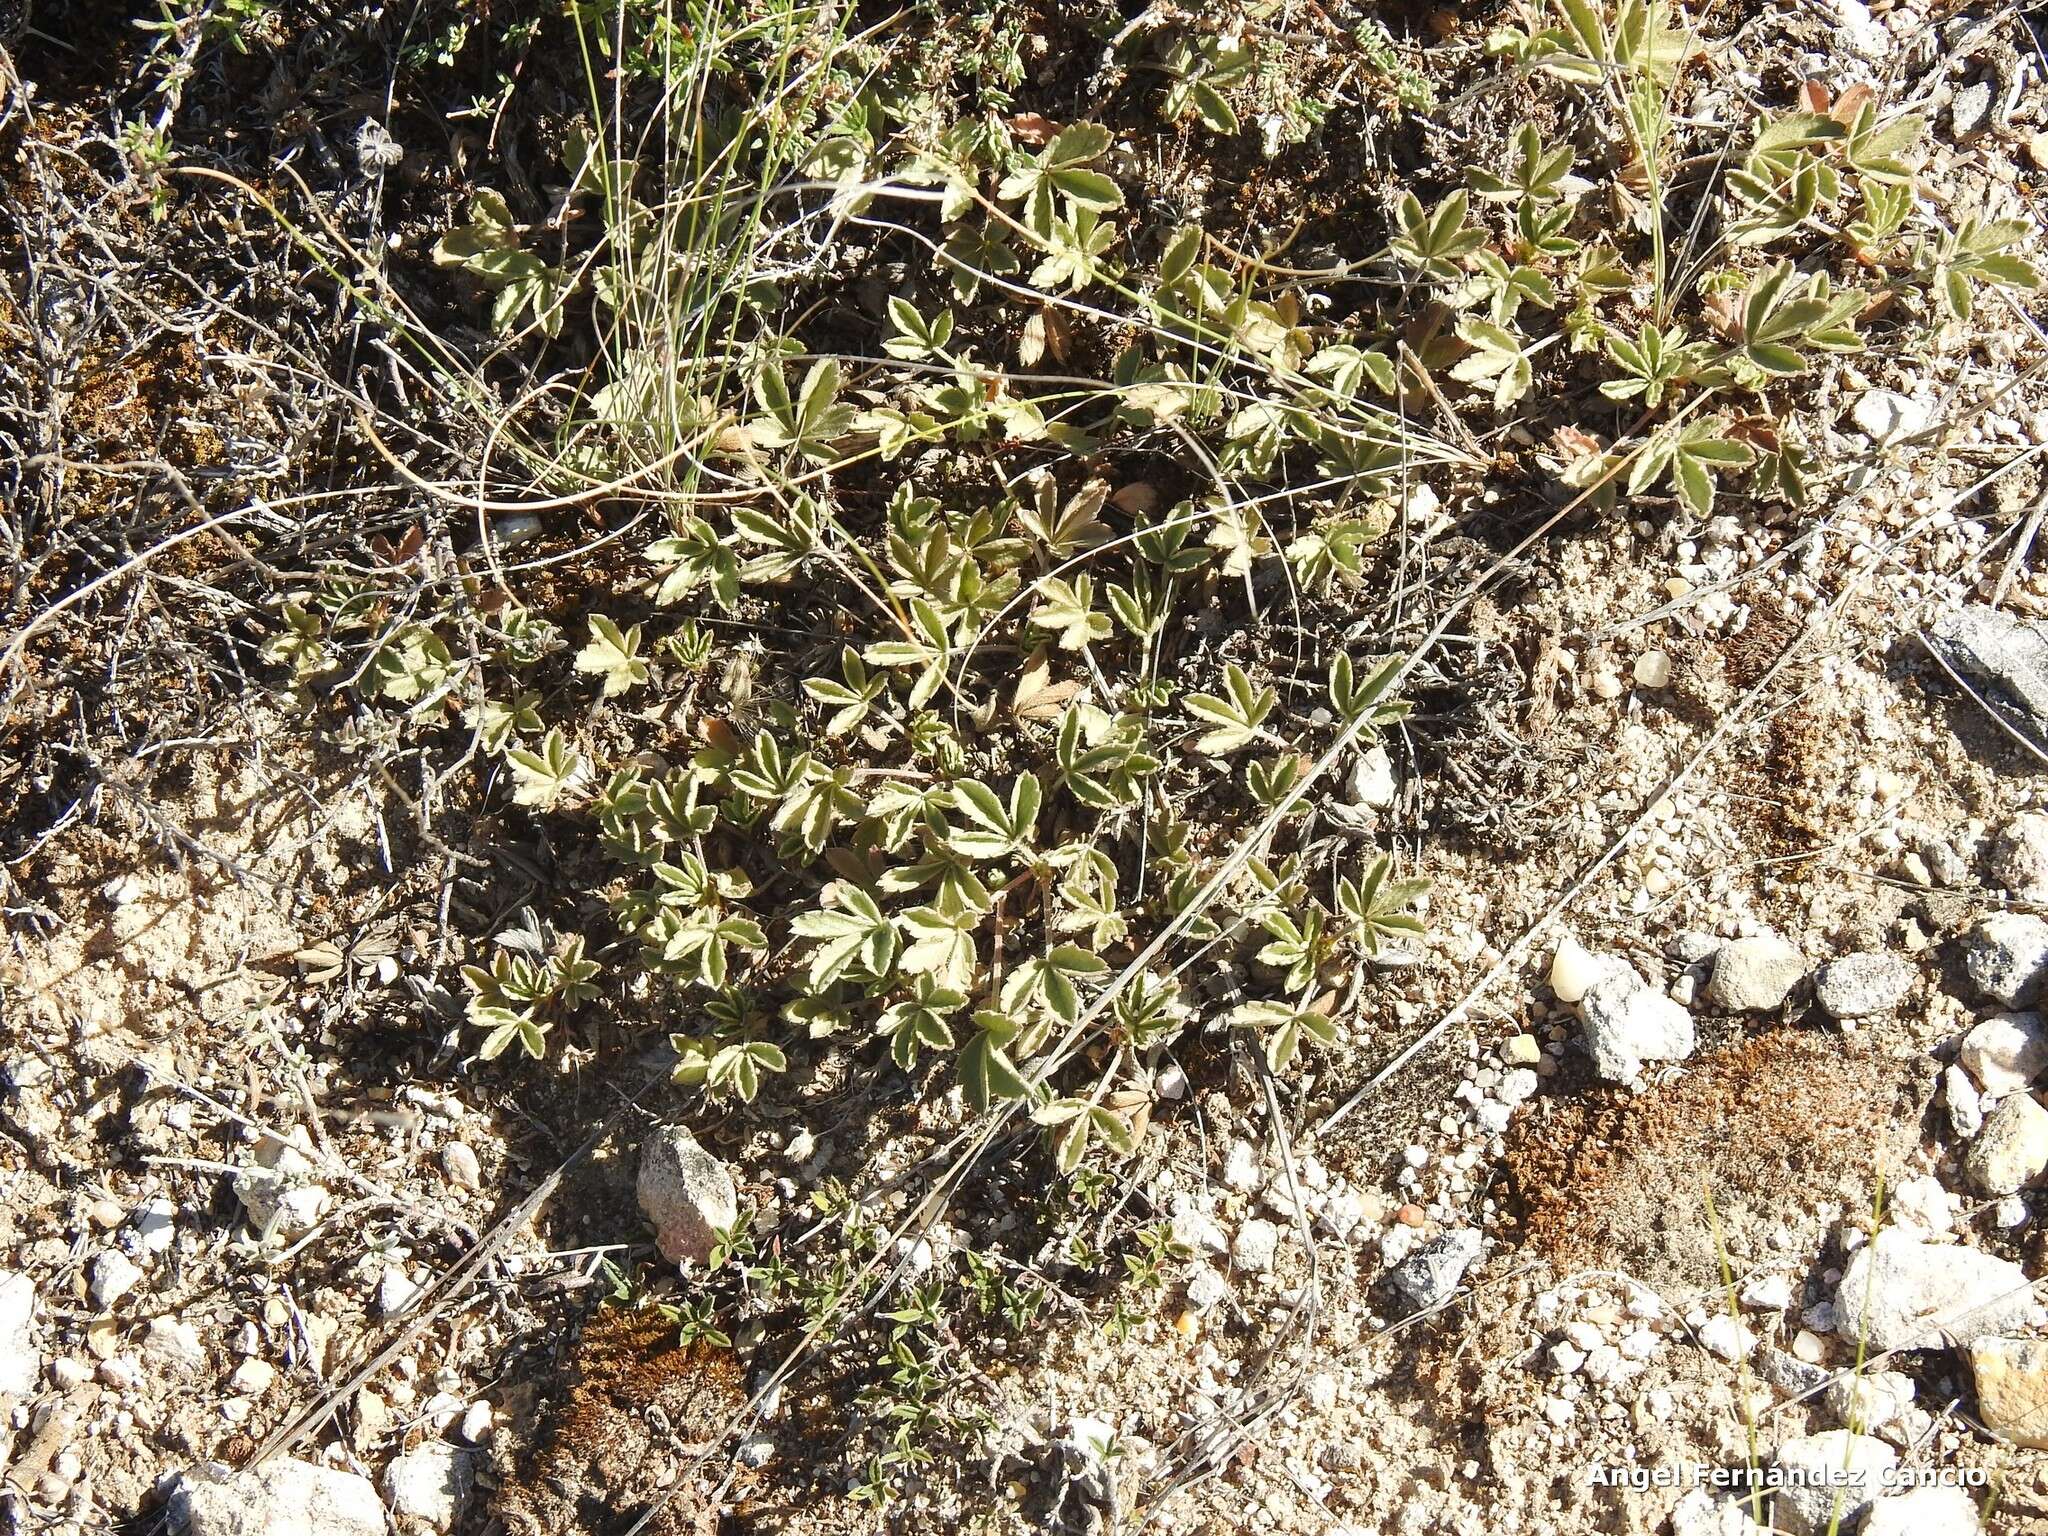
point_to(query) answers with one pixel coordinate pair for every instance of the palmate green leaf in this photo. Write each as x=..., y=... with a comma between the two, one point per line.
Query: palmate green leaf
x=1537, y=177
x=987, y=1074
x=1434, y=243
x=1067, y=612
x=1378, y=907
x=1875, y=150
x=1354, y=699
x=998, y=830
x=737, y=1068
x=853, y=933
x=693, y=557
x=1236, y=718
x=916, y=337
x=808, y=423
x=919, y=1021
x=543, y=775
x=1692, y=455
x=941, y=945
x=508, y=1027
x=1284, y=1027
x=1075, y=1123
x=1047, y=981
x=1497, y=356
x=613, y=655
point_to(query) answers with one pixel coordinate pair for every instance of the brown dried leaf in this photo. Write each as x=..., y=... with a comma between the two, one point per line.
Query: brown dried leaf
x=1038, y=697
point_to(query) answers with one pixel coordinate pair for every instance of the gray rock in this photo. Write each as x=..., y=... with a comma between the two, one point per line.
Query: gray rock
x=1948, y=1511
x=1085, y=1500
x=1429, y=1276
x=1884, y=415
x=431, y=1483
x=280, y=1498
x=1965, y=1104
x=1700, y=1513
x=686, y=1193
x=1258, y=1240
x=1970, y=110
x=281, y=1195
x=1206, y=1289
x=1831, y=1478
x=2019, y=856
x=1624, y=1023
x=1200, y=1233
x=1753, y=975
x=1858, y=986
x=1787, y=1374
x=1870, y=1400
x=2006, y=956
x=2004, y=655
x=2004, y=1053
x=2011, y=1378
x=2012, y=1149
x=1900, y=1293
x=113, y=1275
x=21, y=1363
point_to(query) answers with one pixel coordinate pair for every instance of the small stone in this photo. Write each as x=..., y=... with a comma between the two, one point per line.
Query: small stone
x=1566, y=1357
x=1923, y=1202
x=1788, y=1374
x=1884, y=416
x=175, y=1342
x=478, y=1423
x=1429, y=1277
x=2000, y=651
x=2005, y=1052
x=2019, y=857
x=1699, y=1513
x=459, y=1162
x=686, y=1193
x=396, y=1290
x=113, y=1275
x=756, y=1451
x=516, y=528
x=1653, y=669
x=1860, y=986
x=1770, y=1292
x=1724, y=1336
x=2012, y=1388
x=2011, y=1150
x=1573, y=971
x=280, y=1194
x=1198, y=1232
x=1372, y=779
x=1970, y=109
x=252, y=1378
x=279, y=1498
x=1206, y=1289
x=1171, y=1082
x=1900, y=1293
x=2006, y=957
x=1829, y=1480
x=1255, y=1246
x=1241, y=1167
x=431, y=1483
x=1938, y=1510
x=1965, y=1104
x=1753, y=975
x=1521, y=1051
x=1517, y=1087
x=1624, y=1023
x=21, y=1363
x=1869, y=1401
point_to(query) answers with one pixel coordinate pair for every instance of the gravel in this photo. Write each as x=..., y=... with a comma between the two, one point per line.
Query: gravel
x=2005, y=1053
x=2011, y=1150
x=1859, y=986
x=113, y=1275
x=2006, y=655
x=686, y=1193
x=1868, y=1401
x=1429, y=1276
x=1900, y=1293
x=1945, y=1510
x=2006, y=957
x=431, y=1483
x=1753, y=975
x=21, y=1363
x=1255, y=1246
x=1625, y=1023
x=2019, y=856
x=280, y=1498
x=1834, y=1471
x=2012, y=1388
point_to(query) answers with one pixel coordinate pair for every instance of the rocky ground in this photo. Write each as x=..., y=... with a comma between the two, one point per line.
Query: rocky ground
x=1693, y=1176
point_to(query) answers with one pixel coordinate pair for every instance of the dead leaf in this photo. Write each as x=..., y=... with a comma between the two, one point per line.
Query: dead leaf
x=1038, y=697
x=1853, y=101
x=1813, y=97
x=1033, y=128
x=1140, y=498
